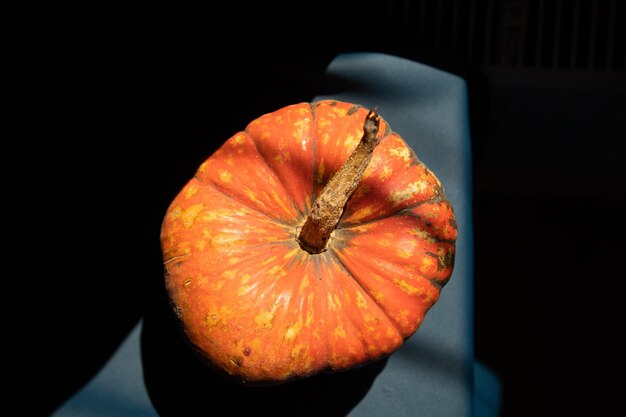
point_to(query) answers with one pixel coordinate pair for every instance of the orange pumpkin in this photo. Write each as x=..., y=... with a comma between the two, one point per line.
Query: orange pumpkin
x=277, y=272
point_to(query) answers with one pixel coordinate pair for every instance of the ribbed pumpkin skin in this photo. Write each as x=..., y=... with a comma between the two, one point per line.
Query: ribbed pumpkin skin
x=261, y=309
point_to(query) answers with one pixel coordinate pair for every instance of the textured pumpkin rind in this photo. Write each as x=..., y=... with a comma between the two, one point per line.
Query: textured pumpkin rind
x=261, y=310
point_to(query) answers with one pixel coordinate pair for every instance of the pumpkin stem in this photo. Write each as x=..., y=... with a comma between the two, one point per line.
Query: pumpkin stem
x=329, y=205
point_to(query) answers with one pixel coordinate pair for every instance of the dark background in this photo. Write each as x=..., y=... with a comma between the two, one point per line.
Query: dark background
x=114, y=104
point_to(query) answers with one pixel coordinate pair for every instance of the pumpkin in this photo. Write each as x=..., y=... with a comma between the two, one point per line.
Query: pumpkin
x=313, y=241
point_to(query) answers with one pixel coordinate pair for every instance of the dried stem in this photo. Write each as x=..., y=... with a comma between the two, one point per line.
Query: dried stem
x=328, y=207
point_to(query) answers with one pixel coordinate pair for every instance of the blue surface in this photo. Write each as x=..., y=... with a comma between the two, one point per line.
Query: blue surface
x=433, y=373
x=117, y=390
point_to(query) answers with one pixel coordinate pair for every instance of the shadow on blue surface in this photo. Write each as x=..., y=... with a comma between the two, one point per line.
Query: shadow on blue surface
x=119, y=391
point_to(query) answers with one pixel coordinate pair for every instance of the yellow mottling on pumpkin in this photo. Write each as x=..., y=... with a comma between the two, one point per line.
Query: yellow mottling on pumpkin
x=175, y=213
x=268, y=260
x=264, y=320
x=362, y=213
x=309, y=319
x=386, y=173
x=304, y=283
x=370, y=318
x=402, y=152
x=271, y=180
x=217, y=285
x=252, y=196
x=280, y=202
x=217, y=214
x=203, y=280
x=217, y=316
x=293, y=330
x=302, y=126
x=337, y=301
x=265, y=135
x=383, y=242
x=402, y=317
x=291, y=253
x=256, y=344
x=241, y=211
x=277, y=270
x=245, y=278
x=238, y=139
x=427, y=264
x=191, y=190
x=378, y=296
x=339, y=332
x=188, y=215
x=295, y=352
x=371, y=350
x=377, y=277
x=331, y=303
x=339, y=111
x=350, y=142
x=422, y=234
x=233, y=260
x=360, y=301
x=433, y=213
x=222, y=240
x=279, y=120
x=200, y=244
x=203, y=166
x=244, y=289
x=430, y=296
x=406, y=248
x=413, y=188
x=323, y=122
x=346, y=297
x=408, y=288
x=229, y=273
x=225, y=176
x=305, y=361
x=361, y=229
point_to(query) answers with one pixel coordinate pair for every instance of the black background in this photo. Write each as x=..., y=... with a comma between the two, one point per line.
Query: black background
x=114, y=105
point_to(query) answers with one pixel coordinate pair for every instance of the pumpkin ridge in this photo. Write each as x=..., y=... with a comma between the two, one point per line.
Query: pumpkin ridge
x=264, y=159
x=339, y=262
x=437, y=239
x=367, y=294
x=395, y=324
x=276, y=221
x=405, y=211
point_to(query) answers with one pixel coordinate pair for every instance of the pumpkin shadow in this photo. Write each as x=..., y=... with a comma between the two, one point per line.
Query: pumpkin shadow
x=179, y=384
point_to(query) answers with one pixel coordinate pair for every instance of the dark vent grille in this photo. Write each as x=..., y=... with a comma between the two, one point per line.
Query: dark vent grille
x=554, y=34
